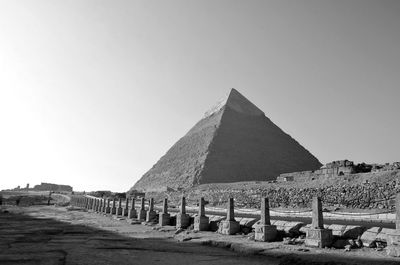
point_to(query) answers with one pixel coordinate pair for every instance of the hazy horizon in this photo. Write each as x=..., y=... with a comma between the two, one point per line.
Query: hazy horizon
x=93, y=93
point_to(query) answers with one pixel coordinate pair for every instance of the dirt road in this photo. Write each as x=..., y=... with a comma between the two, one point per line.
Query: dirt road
x=53, y=235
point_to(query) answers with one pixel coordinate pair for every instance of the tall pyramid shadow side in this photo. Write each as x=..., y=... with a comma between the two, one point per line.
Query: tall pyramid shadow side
x=233, y=142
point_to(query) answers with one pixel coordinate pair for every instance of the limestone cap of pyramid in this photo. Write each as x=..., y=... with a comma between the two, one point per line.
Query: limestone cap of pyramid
x=237, y=102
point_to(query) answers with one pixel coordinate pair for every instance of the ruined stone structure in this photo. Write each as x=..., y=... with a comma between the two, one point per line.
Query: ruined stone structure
x=335, y=168
x=52, y=187
x=385, y=167
x=233, y=142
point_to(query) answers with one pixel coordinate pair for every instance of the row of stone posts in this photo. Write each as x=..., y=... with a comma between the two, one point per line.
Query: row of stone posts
x=316, y=236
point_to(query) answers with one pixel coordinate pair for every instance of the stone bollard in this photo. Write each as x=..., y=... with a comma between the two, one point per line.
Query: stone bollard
x=126, y=209
x=142, y=212
x=93, y=204
x=100, y=207
x=103, y=209
x=108, y=208
x=201, y=221
x=151, y=215
x=229, y=226
x=132, y=211
x=393, y=239
x=164, y=217
x=113, y=208
x=265, y=231
x=87, y=205
x=96, y=204
x=119, y=209
x=317, y=236
x=182, y=218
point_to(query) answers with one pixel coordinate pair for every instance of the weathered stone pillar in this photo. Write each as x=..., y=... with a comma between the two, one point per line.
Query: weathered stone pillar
x=119, y=209
x=126, y=208
x=114, y=208
x=103, y=209
x=317, y=236
x=108, y=208
x=182, y=218
x=132, y=211
x=100, y=206
x=96, y=203
x=151, y=214
x=164, y=217
x=229, y=226
x=265, y=231
x=397, y=212
x=93, y=204
x=201, y=221
x=142, y=212
x=393, y=239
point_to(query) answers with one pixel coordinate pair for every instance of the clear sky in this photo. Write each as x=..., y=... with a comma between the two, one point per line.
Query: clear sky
x=93, y=93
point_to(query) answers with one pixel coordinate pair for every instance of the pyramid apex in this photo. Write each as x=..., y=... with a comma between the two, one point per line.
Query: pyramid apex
x=240, y=103
x=236, y=101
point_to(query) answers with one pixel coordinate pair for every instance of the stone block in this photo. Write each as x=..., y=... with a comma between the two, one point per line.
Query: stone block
x=393, y=238
x=201, y=223
x=337, y=230
x=132, y=213
x=151, y=216
x=141, y=215
x=119, y=211
x=383, y=234
x=393, y=243
x=305, y=228
x=125, y=212
x=108, y=210
x=182, y=220
x=164, y=219
x=113, y=210
x=319, y=237
x=248, y=222
x=353, y=232
x=265, y=233
x=214, y=222
x=393, y=251
x=369, y=237
x=227, y=227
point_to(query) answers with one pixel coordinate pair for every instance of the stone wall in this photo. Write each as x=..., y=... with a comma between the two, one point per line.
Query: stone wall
x=369, y=195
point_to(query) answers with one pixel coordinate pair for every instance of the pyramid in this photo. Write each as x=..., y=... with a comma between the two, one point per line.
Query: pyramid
x=234, y=141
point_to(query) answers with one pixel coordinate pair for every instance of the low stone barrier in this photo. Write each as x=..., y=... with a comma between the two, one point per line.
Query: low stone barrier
x=317, y=234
